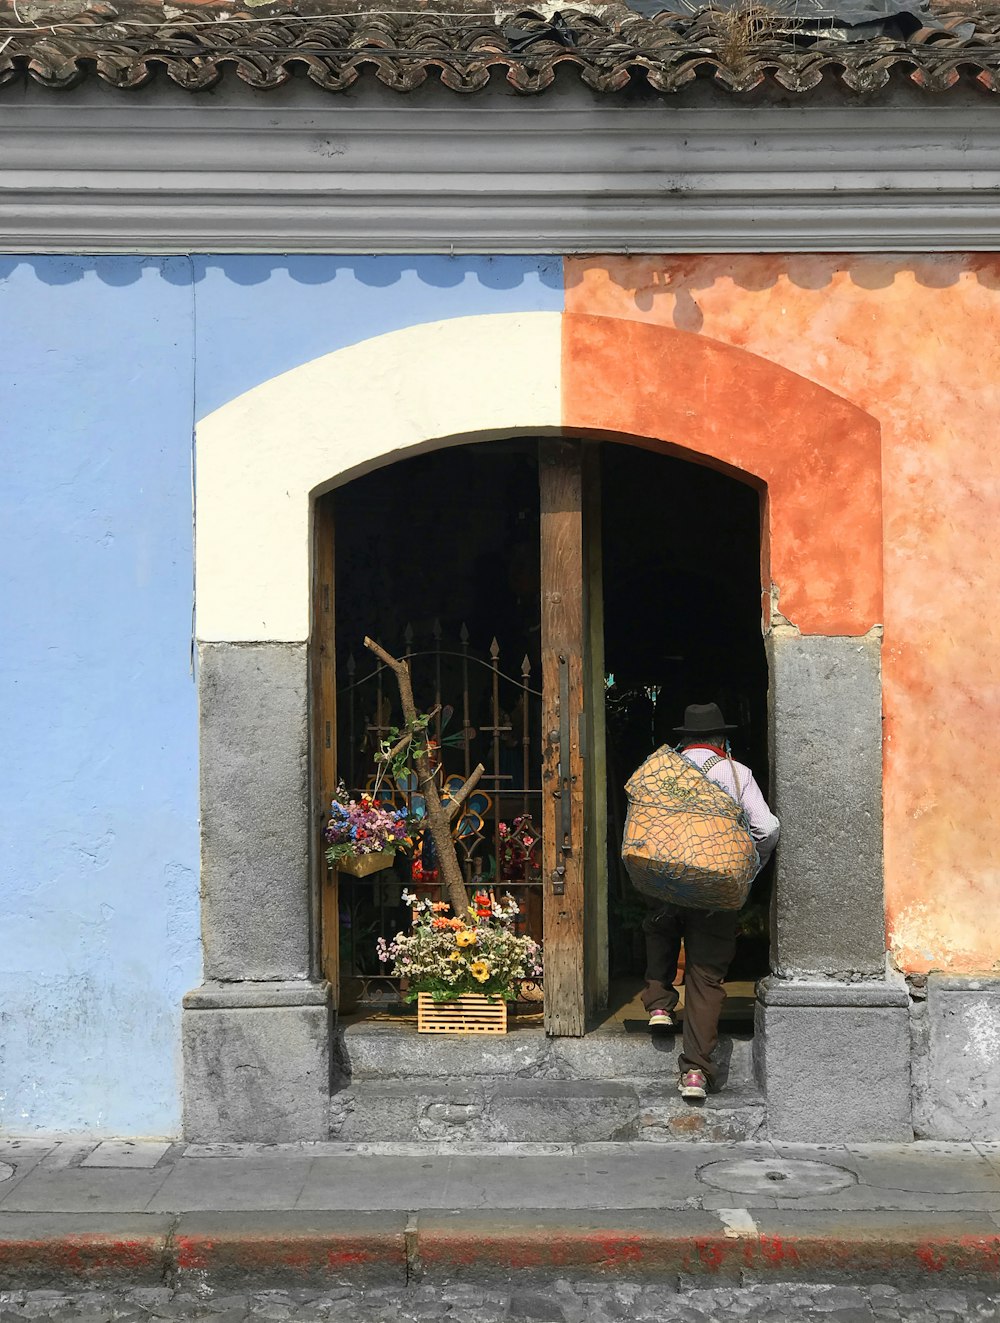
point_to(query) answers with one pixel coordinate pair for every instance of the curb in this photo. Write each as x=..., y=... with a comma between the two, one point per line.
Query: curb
x=312, y=1247
x=360, y=1248
x=49, y=1249
x=143, y=1249
x=775, y=1246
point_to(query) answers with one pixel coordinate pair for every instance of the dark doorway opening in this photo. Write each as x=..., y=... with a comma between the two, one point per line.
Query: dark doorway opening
x=438, y=556
x=682, y=611
x=448, y=537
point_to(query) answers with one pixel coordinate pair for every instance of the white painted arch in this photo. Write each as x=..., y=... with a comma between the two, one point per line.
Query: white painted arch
x=262, y=456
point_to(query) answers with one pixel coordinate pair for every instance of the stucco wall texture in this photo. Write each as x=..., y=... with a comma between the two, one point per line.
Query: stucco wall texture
x=915, y=342
x=98, y=778
x=108, y=362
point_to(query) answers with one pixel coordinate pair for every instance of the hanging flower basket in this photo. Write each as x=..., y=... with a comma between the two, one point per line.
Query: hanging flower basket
x=364, y=835
x=361, y=865
x=471, y=1013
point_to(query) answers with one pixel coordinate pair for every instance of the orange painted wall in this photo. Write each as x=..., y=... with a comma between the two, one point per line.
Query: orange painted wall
x=914, y=342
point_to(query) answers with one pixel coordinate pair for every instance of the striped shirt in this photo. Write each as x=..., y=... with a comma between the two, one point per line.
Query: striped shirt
x=764, y=826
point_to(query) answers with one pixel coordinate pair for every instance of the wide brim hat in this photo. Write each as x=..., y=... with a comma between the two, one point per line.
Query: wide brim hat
x=703, y=719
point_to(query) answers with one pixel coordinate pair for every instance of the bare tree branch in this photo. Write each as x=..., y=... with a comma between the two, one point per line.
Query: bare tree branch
x=438, y=816
x=456, y=800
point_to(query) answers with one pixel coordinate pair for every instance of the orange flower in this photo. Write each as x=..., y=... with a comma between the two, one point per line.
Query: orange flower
x=440, y=923
x=440, y=906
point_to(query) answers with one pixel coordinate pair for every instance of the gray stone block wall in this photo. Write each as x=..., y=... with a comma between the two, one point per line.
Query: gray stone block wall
x=257, y=1063
x=826, y=715
x=832, y=1045
x=957, y=1065
x=833, y=1060
x=255, y=868
x=257, y=1034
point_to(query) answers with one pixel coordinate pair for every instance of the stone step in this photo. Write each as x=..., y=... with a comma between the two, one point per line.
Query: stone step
x=736, y=1114
x=379, y=1050
x=557, y=1111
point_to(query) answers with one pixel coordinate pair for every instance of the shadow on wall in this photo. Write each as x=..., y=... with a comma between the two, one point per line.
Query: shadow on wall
x=379, y=272
x=647, y=279
x=647, y=276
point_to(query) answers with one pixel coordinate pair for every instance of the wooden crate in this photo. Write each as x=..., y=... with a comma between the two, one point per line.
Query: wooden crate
x=471, y=1013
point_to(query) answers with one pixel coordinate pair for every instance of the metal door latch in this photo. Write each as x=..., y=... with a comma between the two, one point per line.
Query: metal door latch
x=558, y=879
x=565, y=757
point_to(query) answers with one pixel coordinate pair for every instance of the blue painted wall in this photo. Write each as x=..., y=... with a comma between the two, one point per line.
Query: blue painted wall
x=106, y=363
x=98, y=804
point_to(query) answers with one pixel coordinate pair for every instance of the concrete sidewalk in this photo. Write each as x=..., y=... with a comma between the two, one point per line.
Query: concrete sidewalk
x=156, y=1212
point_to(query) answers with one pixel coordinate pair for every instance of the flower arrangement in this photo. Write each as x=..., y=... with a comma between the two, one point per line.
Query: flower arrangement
x=515, y=843
x=419, y=871
x=449, y=956
x=363, y=827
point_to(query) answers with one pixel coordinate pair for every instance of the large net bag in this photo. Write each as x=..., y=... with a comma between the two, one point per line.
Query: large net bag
x=686, y=840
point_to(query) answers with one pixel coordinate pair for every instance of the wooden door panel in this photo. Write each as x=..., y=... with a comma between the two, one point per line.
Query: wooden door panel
x=595, y=859
x=562, y=574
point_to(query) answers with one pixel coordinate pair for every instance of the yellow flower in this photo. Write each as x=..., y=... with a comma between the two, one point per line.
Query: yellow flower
x=479, y=970
x=456, y=955
x=465, y=938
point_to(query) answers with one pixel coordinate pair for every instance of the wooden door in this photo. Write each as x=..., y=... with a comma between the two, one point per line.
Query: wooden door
x=595, y=826
x=573, y=858
x=573, y=835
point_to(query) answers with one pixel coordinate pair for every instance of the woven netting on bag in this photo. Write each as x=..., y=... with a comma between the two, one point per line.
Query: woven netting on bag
x=686, y=840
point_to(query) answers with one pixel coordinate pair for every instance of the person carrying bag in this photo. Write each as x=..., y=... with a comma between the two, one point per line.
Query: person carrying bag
x=698, y=831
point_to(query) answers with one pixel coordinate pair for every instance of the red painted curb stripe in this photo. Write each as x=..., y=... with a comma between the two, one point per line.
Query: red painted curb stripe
x=701, y=1255
x=602, y=1250
x=306, y=1253
x=85, y=1256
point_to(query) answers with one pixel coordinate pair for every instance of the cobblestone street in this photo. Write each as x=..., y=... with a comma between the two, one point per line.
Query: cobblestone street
x=562, y=1302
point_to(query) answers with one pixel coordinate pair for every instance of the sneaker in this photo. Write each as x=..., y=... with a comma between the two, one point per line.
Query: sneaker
x=693, y=1084
x=661, y=1020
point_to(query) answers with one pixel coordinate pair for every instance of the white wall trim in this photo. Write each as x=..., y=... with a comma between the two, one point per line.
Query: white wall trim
x=296, y=170
x=262, y=456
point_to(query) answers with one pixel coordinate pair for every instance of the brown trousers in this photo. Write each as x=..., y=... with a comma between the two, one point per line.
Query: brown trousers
x=709, y=938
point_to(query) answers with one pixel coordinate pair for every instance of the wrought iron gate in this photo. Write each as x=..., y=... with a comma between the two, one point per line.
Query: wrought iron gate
x=485, y=714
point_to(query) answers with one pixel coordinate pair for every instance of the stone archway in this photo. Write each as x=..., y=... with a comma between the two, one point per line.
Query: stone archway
x=817, y=456
x=257, y=1032
x=261, y=456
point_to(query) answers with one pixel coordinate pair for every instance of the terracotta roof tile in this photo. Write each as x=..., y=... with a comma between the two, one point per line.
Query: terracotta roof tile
x=608, y=50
